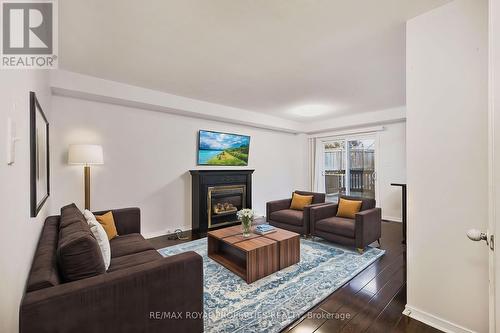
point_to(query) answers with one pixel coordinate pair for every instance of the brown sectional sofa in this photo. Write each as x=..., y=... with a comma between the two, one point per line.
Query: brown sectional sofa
x=136, y=294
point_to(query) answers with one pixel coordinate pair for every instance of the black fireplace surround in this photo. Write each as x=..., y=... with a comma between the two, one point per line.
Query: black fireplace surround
x=217, y=195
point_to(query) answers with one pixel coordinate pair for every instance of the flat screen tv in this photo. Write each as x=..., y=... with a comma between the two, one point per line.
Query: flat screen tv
x=216, y=148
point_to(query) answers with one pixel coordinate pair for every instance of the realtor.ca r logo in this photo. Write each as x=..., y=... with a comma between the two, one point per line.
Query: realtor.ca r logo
x=29, y=34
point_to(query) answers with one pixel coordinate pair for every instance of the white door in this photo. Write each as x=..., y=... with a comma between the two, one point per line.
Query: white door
x=494, y=168
x=494, y=151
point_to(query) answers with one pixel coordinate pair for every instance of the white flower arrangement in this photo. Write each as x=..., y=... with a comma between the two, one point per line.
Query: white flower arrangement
x=246, y=218
x=245, y=213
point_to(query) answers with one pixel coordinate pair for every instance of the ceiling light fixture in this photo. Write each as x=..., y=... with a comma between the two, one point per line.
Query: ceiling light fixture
x=312, y=110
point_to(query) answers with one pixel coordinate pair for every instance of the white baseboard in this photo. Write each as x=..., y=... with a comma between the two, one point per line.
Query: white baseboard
x=169, y=230
x=434, y=321
x=392, y=219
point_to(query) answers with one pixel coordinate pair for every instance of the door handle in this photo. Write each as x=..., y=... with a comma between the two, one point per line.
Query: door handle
x=476, y=236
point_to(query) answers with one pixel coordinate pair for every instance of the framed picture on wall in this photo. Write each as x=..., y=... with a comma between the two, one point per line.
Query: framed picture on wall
x=217, y=148
x=39, y=159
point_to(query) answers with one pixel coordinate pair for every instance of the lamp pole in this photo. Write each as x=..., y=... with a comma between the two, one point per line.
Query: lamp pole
x=86, y=171
x=86, y=155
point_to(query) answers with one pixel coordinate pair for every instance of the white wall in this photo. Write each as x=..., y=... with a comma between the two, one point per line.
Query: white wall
x=148, y=155
x=391, y=159
x=447, y=86
x=20, y=233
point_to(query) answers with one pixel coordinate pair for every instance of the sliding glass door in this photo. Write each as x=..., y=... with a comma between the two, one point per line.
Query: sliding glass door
x=335, y=169
x=361, y=168
x=349, y=167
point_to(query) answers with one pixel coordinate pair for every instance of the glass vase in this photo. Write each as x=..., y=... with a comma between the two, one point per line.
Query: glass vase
x=246, y=225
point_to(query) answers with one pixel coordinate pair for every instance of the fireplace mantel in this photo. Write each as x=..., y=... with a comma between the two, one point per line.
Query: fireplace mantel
x=204, y=181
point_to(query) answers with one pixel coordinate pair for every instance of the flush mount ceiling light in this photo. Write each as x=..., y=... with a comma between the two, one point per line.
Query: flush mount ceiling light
x=312, y=110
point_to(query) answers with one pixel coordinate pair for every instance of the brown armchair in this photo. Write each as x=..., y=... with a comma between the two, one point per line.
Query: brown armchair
x=279, y=214
x=365, y=229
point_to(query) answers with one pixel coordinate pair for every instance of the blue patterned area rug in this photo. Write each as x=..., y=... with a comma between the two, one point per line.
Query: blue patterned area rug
x=272, y=303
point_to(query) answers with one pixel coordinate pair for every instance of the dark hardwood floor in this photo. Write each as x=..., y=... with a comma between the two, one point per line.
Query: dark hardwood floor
x=373, y=301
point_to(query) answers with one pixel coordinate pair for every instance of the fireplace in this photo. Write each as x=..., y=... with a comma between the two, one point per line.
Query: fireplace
x=223, y=203
x=217, y=195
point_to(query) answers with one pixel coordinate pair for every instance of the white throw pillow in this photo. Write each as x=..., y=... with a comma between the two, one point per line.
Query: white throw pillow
x=101, y=237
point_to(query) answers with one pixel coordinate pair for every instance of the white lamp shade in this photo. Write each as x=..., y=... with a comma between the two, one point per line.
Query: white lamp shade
x=85, y=154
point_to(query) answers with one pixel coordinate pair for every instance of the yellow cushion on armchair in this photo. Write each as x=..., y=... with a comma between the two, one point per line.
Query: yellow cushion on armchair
x=348, y=208
x=300, y=201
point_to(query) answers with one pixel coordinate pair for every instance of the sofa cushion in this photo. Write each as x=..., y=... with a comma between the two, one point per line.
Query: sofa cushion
x=133, y=260
x=44, y=272
x=69, y=215
x=78, y=254
x=337, y=225
x=79, y=257
x=129, y=244
x=72, y=222
x=288, y=216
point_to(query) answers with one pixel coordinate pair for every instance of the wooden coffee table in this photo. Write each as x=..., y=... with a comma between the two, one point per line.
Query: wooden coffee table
x=256, y=256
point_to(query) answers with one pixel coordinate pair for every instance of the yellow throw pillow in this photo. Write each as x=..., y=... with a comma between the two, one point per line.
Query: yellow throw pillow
x=108, y=223
x=300, y=201
x=348, y=208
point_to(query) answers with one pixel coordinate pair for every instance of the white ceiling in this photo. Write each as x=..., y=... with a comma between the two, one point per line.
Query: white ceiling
x=297, y=59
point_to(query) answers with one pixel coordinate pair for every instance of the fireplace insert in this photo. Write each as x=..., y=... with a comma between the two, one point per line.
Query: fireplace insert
x=223, y=202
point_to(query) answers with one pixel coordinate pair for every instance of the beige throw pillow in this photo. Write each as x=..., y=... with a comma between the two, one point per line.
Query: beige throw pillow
x=100, y=236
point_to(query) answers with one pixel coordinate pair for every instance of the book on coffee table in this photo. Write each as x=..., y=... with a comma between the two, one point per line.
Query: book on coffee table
x=264, y=232
x=264, y=229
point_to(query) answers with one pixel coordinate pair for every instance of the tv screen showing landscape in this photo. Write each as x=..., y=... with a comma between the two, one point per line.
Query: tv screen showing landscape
x=215, y=148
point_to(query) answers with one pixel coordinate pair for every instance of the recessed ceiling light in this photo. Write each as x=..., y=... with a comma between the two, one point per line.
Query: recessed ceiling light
x=312, y=110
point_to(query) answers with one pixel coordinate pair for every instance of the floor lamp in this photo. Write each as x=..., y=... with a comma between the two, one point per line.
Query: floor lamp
x=86, y=155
